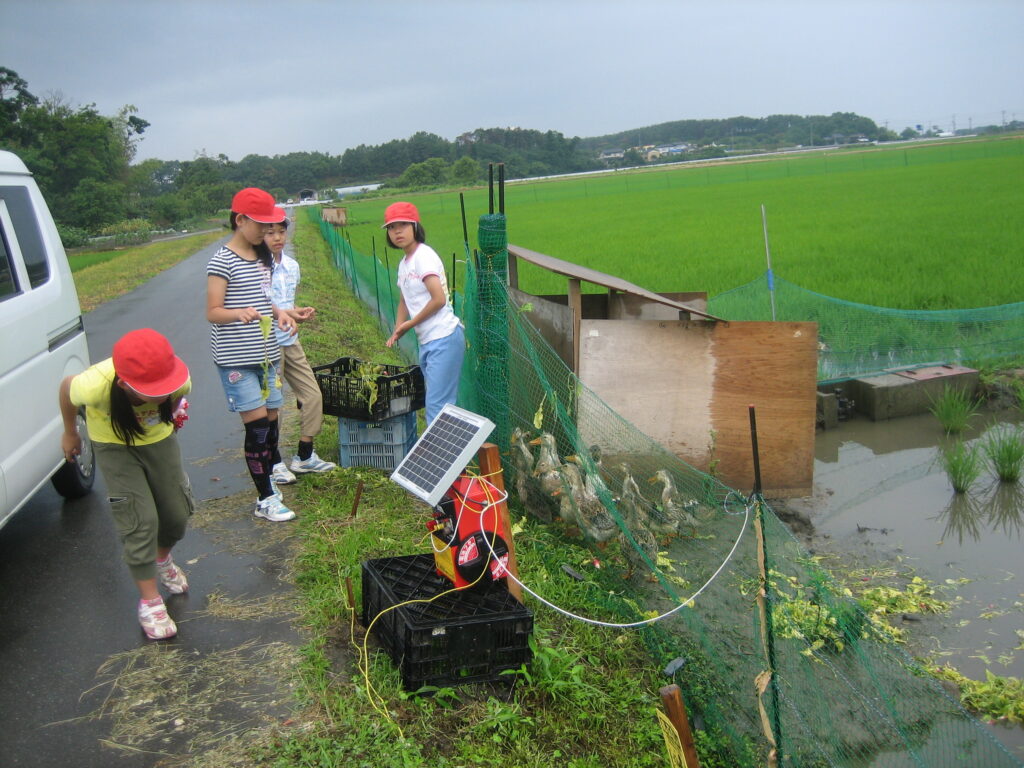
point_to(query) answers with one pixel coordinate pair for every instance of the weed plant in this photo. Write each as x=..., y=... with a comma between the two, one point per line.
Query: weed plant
x=1004, y=447
x=954, y=409
x=963, y=465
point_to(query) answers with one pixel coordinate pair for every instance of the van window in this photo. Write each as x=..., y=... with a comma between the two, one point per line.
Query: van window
x=8, y=286
x=26, y=229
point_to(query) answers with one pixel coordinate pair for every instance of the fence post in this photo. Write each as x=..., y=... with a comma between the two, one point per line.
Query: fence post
x=676, y=711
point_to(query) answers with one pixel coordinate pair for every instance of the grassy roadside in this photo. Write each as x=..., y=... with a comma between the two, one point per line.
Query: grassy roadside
x=132, y=267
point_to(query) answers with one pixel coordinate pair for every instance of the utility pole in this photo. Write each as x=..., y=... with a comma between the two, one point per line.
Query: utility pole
x=954, y=125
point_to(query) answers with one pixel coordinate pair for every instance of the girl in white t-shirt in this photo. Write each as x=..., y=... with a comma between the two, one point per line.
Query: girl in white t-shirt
x=424, y=306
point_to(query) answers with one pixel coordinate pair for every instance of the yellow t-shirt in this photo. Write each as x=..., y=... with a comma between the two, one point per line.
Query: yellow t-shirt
x=91, y=388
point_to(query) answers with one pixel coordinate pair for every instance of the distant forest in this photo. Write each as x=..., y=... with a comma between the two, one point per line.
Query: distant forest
x=84, y=161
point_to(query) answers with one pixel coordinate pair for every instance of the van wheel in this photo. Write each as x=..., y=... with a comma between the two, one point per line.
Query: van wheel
x=75, y=478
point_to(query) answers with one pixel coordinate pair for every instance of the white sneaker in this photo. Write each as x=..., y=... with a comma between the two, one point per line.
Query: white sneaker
x=172, y=577
x=281, y=475
x=155, y=622
x=313, y=464
x=272, y=509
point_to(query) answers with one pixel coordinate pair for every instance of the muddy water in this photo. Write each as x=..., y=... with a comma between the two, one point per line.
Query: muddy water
x=882, y=497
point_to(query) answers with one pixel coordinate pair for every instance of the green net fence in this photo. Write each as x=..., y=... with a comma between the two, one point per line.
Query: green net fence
x=860, y=340
x=842, y=691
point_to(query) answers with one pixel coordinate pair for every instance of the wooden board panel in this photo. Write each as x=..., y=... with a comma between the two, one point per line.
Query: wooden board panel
x=681, y=382
x=657, y=375
x=552, y=319
x=772, y=366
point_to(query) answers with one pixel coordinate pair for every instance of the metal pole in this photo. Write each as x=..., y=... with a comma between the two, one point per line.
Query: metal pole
x=376, y=284
x=490, y=187
x=501, y=188
x=465, y=232
x=768, y=255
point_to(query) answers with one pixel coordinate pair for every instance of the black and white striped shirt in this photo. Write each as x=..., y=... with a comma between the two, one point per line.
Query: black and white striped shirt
x=237, y=343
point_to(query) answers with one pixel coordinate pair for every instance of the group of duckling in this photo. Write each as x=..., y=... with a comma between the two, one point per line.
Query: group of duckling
x=575, y=491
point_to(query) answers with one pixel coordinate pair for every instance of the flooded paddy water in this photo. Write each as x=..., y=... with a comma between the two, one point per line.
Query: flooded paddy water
x=882, y=499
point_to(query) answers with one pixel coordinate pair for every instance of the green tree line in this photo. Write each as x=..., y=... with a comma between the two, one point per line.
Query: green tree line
x=84, y=161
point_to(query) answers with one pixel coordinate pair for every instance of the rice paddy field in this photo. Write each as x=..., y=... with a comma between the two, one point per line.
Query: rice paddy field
x=908, y=226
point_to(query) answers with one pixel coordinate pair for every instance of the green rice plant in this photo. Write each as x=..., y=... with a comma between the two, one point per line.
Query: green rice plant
x=954, y=408
x=1004, y=447
x=962, y=464
x=1018, y=391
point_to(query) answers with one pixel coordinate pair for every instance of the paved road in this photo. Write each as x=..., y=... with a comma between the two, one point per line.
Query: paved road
x=66, y=600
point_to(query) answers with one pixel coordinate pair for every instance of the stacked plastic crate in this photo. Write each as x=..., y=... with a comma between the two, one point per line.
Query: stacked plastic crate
x=377, y=417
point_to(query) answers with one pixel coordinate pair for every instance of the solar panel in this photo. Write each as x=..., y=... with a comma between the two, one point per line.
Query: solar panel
x=444, y=449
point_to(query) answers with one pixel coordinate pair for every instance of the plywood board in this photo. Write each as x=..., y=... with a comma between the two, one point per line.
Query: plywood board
x=683, y=382
x=772, y=366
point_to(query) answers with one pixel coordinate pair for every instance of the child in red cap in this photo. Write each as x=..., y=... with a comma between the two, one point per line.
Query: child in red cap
x=424, y=306
x=130, y=400
x=245, y=348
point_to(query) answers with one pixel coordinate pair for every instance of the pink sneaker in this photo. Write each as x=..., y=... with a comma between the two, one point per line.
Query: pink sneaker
x=154, y=620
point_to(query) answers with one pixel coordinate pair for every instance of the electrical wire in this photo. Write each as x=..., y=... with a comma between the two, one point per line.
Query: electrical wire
x=634, y=624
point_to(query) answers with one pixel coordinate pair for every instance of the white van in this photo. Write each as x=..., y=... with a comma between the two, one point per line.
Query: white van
x=42, y=340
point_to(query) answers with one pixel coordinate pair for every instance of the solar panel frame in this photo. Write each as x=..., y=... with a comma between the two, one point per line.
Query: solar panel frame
x=442, y=452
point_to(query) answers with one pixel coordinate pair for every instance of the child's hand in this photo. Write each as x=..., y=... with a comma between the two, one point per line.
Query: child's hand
x=248, y=314
x=287, y=323
x=180, y=415
x=302, y=314
x=400, y=330
x=71, y=445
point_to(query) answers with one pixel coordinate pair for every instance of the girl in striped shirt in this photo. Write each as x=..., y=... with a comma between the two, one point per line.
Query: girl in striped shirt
x=245, y=349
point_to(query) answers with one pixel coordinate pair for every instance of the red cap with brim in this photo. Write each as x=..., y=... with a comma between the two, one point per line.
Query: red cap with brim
x=145, y=361
x=401, y=212
x=258, y=206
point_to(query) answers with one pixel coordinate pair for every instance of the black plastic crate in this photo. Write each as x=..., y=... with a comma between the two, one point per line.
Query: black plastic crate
x=469, y=636
x=400, y=390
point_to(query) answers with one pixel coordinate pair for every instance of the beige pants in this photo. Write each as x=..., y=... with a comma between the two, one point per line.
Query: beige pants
x=299, y=375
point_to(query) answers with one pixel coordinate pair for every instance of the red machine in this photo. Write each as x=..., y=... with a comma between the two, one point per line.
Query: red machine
x=465, y=529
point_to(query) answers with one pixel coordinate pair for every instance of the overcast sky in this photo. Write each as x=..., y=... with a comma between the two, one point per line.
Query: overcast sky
x=254, y=77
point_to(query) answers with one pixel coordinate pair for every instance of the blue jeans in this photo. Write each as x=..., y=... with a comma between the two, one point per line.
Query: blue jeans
x=243, y=387
x=441, y=362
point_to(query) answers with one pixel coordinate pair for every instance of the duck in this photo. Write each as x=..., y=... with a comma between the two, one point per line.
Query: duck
x=674, y=508
x=536, y=502
x=632, y=502
x=645, y=544
x=589, y=511
x=548, y=467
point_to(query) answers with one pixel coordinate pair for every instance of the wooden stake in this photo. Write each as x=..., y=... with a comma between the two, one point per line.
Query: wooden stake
x=489, y=458
x=355, y=502
x=676, y=711
x=351, y=595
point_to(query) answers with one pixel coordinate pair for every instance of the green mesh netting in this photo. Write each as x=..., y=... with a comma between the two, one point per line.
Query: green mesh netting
x=842, y=693
x=860, y=340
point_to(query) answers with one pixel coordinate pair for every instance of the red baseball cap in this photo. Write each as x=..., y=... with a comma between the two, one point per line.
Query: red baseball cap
x=258, y=206
x=401, y=212
x=145, y=361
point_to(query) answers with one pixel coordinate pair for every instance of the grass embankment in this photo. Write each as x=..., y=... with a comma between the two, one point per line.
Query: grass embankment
x=103, y=276
x=908, y=227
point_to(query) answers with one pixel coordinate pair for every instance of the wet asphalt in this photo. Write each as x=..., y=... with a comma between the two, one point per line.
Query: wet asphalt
x=67, y=602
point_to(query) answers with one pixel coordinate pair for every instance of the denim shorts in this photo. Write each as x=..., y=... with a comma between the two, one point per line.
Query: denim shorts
x=243, y=387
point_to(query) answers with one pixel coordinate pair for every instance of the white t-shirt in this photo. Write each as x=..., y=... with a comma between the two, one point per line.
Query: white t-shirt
x=412, y=271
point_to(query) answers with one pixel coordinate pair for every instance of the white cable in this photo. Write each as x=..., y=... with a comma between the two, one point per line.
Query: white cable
x=631, y=625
